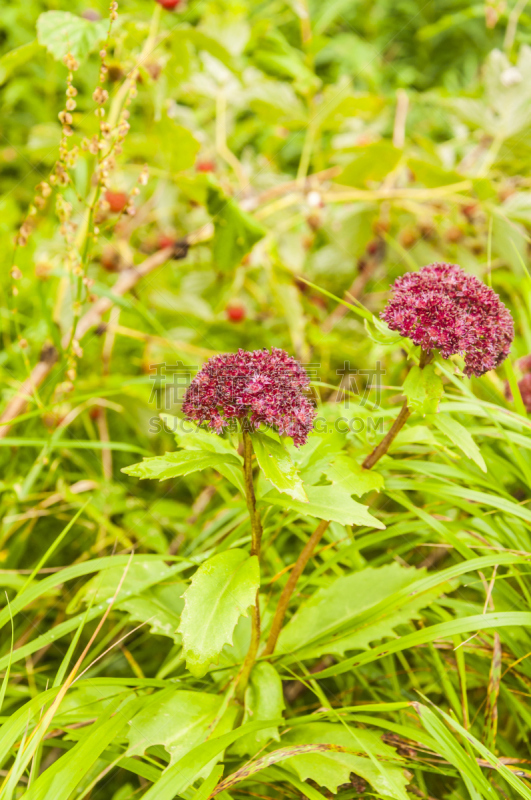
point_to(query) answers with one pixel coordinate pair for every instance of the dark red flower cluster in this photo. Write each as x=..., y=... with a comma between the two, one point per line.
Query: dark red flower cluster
x=262, y=388
x=443, y=308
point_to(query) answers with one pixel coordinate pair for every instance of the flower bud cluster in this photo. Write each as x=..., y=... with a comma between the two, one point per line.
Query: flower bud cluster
x=441, y=307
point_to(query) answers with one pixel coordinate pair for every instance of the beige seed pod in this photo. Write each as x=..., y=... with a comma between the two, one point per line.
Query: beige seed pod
x=100, y=95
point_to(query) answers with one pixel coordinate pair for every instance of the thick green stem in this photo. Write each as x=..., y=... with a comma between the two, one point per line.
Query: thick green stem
x=256, y=540
x=250, y=658
x=256, y=524
x=405, y=412
x=289, y=588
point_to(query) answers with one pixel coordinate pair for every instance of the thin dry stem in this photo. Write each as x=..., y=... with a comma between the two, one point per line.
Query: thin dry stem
x=405, y=413
x=289, y=588
x=399, y=130
x=382, y=448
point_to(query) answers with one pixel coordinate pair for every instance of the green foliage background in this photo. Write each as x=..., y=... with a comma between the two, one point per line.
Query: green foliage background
x=321, y=149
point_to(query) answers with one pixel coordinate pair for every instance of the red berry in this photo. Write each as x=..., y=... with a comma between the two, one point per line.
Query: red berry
x=169, y=4
x=470, y=211
x=110, y=259
x=165, y=241
x=205, y=165
x=116, y=200
x=235, y=312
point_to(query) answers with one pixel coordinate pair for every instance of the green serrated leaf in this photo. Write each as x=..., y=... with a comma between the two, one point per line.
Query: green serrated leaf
x=432, y=175
x=347, y=473
x=178, y=720
x=62, y=32
x=331, y=769
x=277, y=466
x=222, y=590
x=477, y=622
x=182, y=146
x=173, y=147
x=326, y=502
x=102, y=587
x=423, y=389
x=177, y=778
x=191, y=436
x=182, y=462
x=331, y=622
x=459, y=436
x=160, y=608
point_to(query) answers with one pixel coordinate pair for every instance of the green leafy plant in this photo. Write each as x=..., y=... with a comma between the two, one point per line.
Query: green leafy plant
x=316, y=582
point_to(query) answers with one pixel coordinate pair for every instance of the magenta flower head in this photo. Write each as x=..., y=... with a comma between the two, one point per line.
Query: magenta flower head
x=441, y=307
x=257, y=388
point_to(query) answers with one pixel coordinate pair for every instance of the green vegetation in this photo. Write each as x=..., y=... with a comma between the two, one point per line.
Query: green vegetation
x=235, y=615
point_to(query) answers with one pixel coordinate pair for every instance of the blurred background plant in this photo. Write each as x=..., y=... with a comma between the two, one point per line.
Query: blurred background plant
x=184, y=179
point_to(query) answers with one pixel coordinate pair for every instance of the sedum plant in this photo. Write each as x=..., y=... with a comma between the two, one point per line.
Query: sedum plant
x=443, y=310
x=246, y=406
x=321, y=598
x=265, y=394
